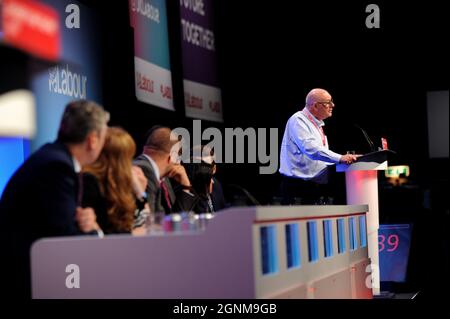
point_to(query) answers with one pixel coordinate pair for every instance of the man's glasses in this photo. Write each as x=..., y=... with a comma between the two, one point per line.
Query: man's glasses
x=327, y=103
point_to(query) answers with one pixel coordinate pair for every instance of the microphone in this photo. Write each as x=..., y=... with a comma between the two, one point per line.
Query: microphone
x=366, y=136
x=248, y=196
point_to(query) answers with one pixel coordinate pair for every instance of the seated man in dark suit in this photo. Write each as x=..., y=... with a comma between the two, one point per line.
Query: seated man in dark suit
x=42, y=198
x=161, y=168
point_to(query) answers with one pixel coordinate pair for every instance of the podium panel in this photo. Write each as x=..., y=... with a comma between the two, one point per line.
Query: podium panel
x=243, y=253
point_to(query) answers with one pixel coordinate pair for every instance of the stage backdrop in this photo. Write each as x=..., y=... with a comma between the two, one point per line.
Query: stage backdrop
x=153, y=76
x=55, y=30
x=76, y=76
x=203, y=97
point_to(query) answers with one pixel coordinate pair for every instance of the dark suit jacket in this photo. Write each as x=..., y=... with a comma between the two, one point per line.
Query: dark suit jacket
x=217, y=196
x=217, y=199
x=39, y=201
x=93, y=198
x=180, y=200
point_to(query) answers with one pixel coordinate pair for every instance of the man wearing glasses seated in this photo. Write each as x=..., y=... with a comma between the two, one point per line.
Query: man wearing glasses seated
x=305, y=156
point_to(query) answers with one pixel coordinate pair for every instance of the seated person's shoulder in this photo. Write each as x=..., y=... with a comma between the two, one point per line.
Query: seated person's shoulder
x=45, y=167
x=51, y=155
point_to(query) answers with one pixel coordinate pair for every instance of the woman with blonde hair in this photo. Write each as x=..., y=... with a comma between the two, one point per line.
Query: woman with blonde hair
x=113, y=187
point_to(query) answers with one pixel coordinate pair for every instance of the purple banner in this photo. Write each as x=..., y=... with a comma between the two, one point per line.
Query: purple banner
x=201, y=82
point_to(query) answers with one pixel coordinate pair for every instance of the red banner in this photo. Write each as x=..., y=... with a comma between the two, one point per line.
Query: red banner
x=31, y=26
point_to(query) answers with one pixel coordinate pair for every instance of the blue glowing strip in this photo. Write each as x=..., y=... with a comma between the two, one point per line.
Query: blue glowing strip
x=268, y=250
x=312, y=242
x=328, y=238
x=341, y=236
x=292, y=246
x=352, y=233
x=362, y=231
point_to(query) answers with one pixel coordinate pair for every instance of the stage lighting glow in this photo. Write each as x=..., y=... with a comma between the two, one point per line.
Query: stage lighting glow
x=17, y=114
x=396, y=171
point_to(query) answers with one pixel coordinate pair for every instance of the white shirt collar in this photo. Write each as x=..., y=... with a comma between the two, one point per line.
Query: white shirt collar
x=318, y=122
x=155, y=167
x=76, y=165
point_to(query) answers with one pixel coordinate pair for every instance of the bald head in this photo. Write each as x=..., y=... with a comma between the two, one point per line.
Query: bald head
x=320, y=103
x=162, y=146
x=160, y=139
x=317, y=95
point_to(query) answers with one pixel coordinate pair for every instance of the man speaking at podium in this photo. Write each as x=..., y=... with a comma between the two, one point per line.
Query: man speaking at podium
x=305, y=156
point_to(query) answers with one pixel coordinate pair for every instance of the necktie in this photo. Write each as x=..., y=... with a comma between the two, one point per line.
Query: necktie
x=165, y=193
x=80, y=190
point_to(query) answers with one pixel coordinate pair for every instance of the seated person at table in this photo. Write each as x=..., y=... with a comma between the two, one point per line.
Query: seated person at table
x=168, y=188
x=201, y=171
x=114, y=188
x=41, y=199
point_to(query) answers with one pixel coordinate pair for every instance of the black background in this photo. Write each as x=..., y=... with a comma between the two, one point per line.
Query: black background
x=271, y=54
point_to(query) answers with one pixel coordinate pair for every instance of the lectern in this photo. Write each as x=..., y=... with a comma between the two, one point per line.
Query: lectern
x=361, y=179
